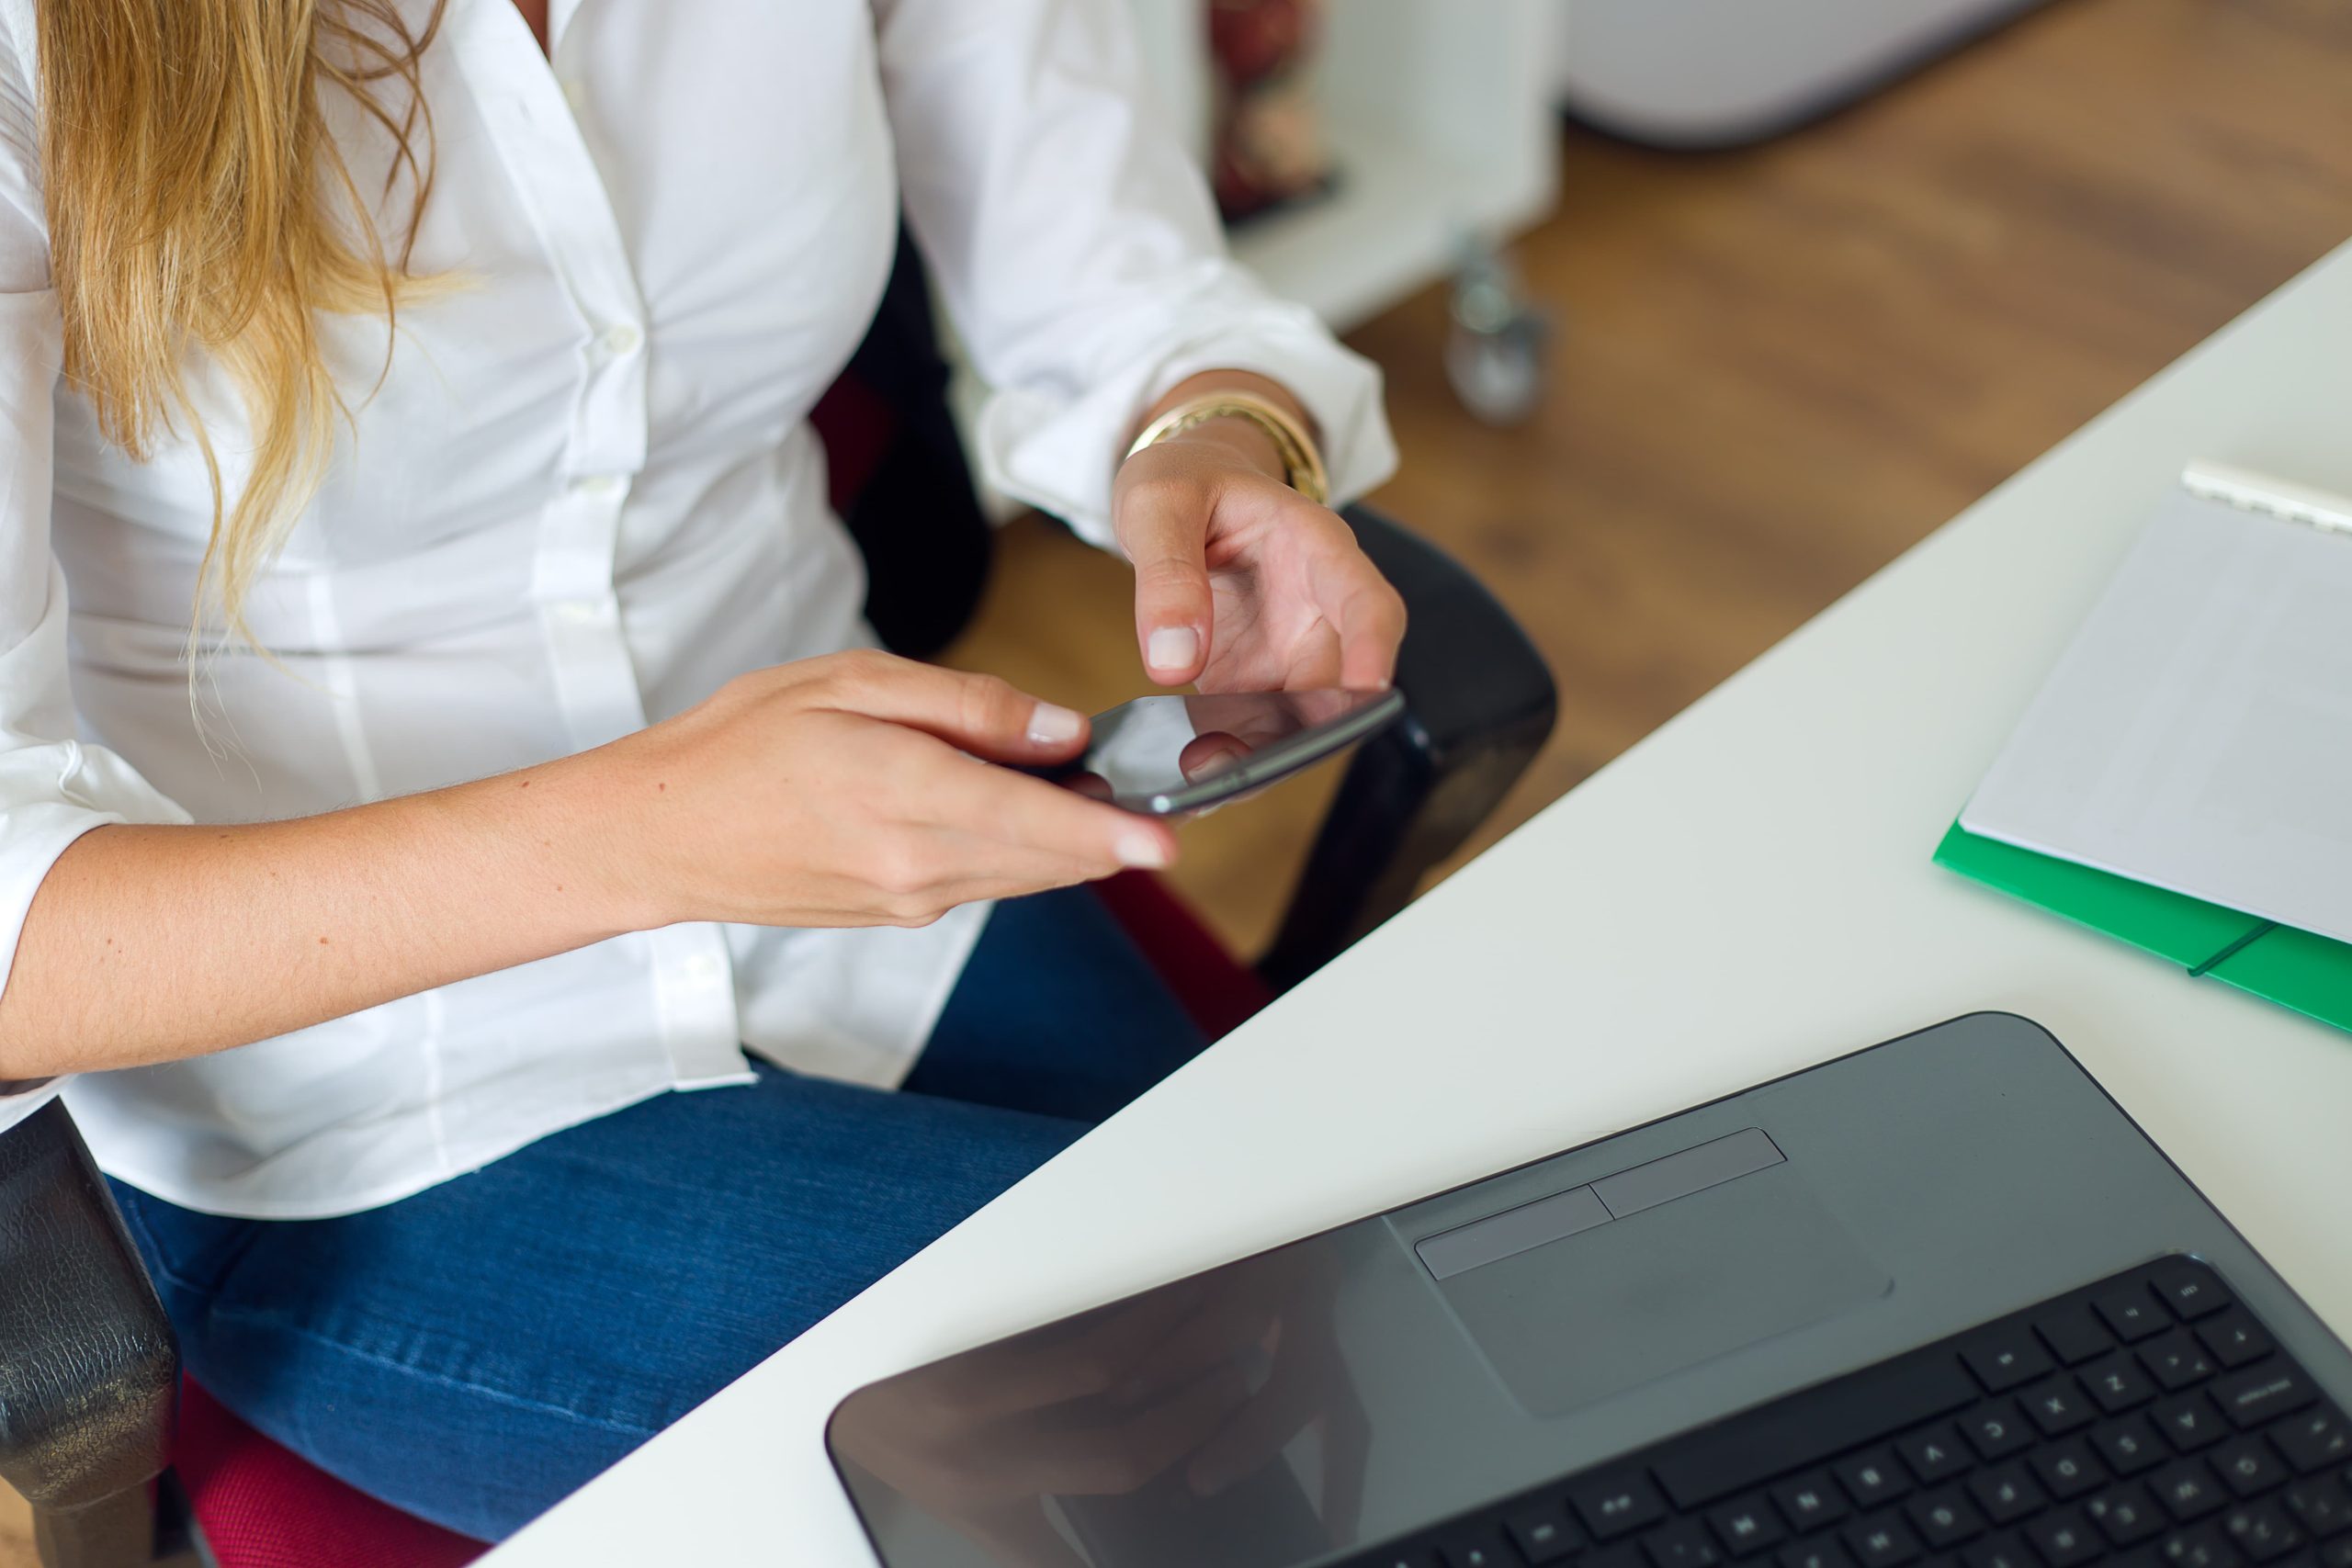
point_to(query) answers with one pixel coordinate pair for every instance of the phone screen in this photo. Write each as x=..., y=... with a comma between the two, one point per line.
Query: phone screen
x=1167, y=755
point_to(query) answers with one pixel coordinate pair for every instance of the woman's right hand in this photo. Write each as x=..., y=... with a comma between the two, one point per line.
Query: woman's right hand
x=843, y=791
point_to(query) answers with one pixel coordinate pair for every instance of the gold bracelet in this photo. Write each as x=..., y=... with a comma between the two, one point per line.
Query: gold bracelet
x=1301, y=465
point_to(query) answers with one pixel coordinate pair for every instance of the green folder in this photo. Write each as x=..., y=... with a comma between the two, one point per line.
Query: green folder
x=2295, y=968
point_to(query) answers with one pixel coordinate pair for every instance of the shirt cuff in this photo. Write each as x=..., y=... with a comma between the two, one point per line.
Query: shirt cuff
x=1059, y=454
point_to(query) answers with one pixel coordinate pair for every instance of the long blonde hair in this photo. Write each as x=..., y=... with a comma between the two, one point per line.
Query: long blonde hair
x=197, y=200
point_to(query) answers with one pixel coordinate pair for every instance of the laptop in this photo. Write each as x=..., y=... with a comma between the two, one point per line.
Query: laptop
x=1939, y=1302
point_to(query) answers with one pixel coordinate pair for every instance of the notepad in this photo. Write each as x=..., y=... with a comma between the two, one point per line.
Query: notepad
x=2197, y=735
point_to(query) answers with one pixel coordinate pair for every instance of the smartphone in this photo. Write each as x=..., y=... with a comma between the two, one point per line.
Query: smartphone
x=1173, y=756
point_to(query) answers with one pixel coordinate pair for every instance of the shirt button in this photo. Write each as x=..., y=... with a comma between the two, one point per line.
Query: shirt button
x=580, y=612
x=575, y=92
x=597, y=485
x=701, y=967
x=621, y=339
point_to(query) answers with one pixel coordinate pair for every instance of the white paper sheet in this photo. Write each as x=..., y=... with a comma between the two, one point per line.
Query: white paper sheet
x=2197, y=734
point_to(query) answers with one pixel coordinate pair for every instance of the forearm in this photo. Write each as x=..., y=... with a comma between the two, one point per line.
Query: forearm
x=151, y=943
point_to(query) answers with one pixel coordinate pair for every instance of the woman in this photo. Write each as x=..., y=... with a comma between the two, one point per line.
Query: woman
x=453, y=359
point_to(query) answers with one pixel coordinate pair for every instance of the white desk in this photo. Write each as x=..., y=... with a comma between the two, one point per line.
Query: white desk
x=1746, y=893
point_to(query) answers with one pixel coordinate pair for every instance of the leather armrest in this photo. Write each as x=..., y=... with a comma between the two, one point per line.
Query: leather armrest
x=89, y=1366
x=1480, y=703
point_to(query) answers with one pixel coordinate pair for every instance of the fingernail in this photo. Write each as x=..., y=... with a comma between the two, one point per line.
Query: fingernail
x=1143, y=851
x=1172, y=648
x=1053, y=725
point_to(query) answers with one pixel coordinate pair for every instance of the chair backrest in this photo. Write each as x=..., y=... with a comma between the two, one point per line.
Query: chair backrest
x=89, y=1366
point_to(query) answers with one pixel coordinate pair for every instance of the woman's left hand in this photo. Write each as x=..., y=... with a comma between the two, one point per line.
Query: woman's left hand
x=1242, y=584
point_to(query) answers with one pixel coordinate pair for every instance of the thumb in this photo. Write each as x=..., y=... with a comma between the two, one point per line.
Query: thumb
x=1166, y=541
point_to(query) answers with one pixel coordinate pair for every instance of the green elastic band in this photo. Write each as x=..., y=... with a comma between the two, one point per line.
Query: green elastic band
x=2265, y=928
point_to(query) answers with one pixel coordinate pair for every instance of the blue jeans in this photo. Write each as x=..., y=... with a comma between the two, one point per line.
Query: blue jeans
x=475, y=1352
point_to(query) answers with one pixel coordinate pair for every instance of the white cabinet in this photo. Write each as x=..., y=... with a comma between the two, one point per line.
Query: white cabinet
x=1441, y=117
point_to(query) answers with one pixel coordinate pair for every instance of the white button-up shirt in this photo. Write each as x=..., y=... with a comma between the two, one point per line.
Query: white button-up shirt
x=585, y=496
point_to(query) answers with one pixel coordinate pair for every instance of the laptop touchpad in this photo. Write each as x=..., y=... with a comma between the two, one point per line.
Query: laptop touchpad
x=1612, y=1305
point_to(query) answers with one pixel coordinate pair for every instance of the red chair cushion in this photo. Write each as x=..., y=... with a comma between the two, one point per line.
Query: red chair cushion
x=260, y=1506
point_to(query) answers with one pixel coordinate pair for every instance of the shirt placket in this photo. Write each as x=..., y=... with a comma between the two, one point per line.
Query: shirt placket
x=572, y=589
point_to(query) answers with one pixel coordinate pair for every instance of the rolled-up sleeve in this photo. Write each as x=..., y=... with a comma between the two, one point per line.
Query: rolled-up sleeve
x=1079, y=252
x=53, y=788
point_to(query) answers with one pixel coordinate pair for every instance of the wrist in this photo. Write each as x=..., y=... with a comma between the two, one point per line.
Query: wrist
x=1278, y=419
x=1235, y=442
x=583, y=833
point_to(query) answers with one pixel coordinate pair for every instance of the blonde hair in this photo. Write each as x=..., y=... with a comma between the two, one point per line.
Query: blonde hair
x=197, y=199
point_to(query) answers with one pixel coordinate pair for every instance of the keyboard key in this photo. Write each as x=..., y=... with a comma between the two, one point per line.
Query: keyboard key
x=2336, y=1554
x=2126, y=1514
x=2073, y=1333
x=1933, y=1455
x=2068, y=1468
x=2190, y=1422
x=2235, y=1339
x=1681, y=1543
x=2178, y=1359
x=2200, y=1548
x=1615, y=1505
x=2248, y=1466
x=1881, y=1541
x=2131, y=1311
x=2003, y=1551
x=2004, y=1358
x=1543, y=1532
x=1943, y=1518
x=2313, y=1440
x=1810, y=1500
x=1872, y=1477
x=1826, y=1552
x=2057, y=1405
x=1809, y=1428
x=2188, y=1490
x=1624, y=1554
x=1995, y=1430
x=2190, y=1289
x=2007, y=1493
x=2250, y=1398
x=2262, y=1531
x=1476, y=1546
x=1405, y=1556
x=2129, y=1445
x=2117, y=1384
x=2064, y=1538
x=2320, y=1505
x=1748, y=1526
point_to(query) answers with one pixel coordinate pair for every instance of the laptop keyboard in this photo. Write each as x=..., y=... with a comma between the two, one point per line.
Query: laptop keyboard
x=2148, y=1420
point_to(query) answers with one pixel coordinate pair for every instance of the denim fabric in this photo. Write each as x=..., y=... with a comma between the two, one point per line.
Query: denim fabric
x=475, y=1352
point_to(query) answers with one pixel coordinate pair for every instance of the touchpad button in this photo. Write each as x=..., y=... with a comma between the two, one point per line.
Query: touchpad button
x=1614, y=1306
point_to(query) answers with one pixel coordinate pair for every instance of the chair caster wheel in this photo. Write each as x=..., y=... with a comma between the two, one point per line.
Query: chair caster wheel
x=1494, y=356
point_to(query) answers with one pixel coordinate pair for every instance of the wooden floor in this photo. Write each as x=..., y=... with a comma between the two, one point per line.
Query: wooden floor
x=1777, y=368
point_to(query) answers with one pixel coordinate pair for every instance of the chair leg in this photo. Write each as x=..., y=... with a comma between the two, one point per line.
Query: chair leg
x=113, y=1532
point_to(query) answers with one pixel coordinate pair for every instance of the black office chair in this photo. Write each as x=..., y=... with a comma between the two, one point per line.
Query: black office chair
x=89, y=1366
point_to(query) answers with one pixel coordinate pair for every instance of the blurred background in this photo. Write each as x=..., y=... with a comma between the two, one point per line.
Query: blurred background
x=1696, y=312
